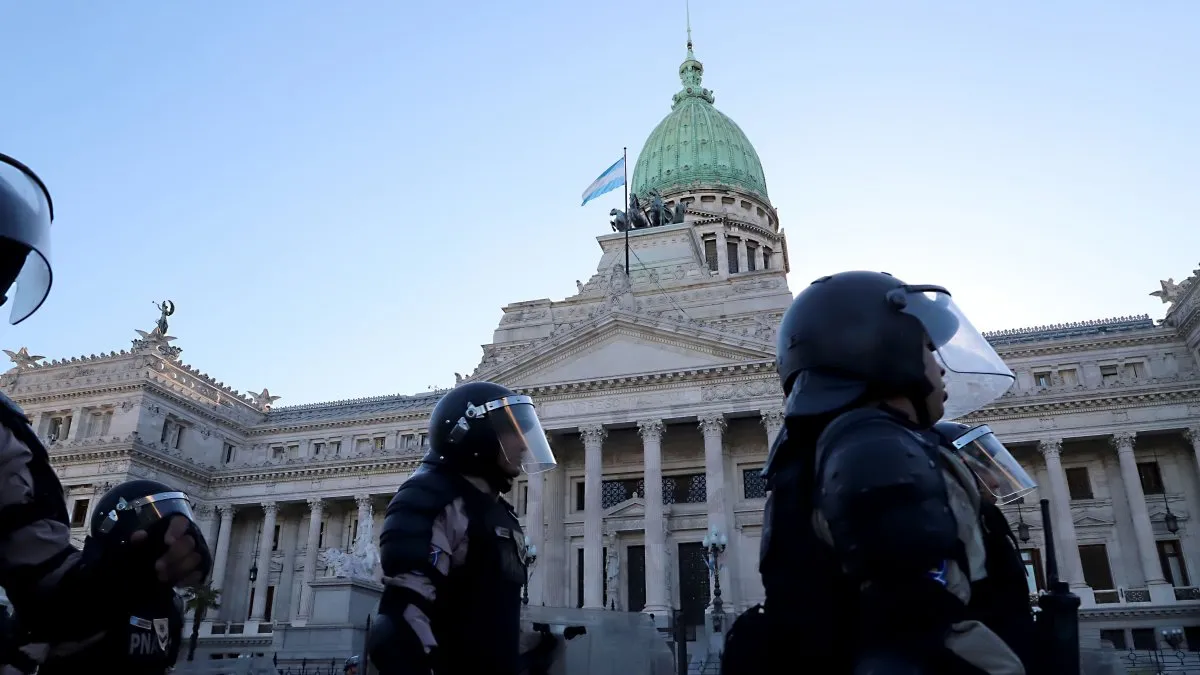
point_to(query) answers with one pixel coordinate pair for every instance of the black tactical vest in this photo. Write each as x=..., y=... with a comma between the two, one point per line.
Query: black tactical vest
x=479, y=605
x=143, y=638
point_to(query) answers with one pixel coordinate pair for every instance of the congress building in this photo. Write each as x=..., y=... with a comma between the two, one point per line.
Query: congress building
x=658, y=391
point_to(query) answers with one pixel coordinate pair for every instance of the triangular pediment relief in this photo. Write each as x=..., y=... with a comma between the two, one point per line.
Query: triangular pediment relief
x=1088, y=520
x=623, y=343
x=630, y=508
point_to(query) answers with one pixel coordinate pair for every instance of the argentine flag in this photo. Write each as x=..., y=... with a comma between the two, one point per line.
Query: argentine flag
x=612, y=178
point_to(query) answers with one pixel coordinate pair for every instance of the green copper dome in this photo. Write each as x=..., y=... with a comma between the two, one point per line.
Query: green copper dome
x=697, y=146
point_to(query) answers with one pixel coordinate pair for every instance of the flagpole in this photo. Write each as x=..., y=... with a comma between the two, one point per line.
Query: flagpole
x=628, y=216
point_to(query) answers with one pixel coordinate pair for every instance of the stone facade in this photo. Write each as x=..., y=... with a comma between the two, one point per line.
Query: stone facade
x=659, y=396
x=657, y=387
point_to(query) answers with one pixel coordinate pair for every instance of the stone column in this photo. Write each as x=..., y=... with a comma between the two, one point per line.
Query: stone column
x=534, y=528
x=259, y=608
x=366, y=512
x=1070, y=567
x=552, y=560
x=772, y=421
x=656, y=571
x=1193, y=434
x=1143, y=531
x=221, y=557
x=593, y=517
x=713, y=428
x=206, y=519
x=76, y=426
x=316, y=512
x=722, y=254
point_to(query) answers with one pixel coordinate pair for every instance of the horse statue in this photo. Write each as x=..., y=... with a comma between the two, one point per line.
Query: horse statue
x=635, y=215
x=659, y=213
x=619, y=222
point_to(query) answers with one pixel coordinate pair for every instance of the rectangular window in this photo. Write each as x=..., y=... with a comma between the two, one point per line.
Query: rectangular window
x=751, y=256
x=766, y=258
x=710, y=253
x=317, y=448
x=293, y=451
x=79, y=512
x=270, y=603
x=1151, y=477
x=379, y=442
x=1042, y=379
x=731, y=251
x=1033, y=569
x=1096, y=570
x=579, y=577
x=1144, y=640
x=1173, y=566
x=275, y=539
x=228, y=453
x=579, y=499
x=321, y=534
x=1135, y=371
x=1079, y=483
x=1069, y=376
x=1114, y=635
x=1109, y=374
x=278, y=452
x=335, y=447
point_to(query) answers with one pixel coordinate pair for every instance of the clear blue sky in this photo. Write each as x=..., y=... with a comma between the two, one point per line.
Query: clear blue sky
x=339, y=197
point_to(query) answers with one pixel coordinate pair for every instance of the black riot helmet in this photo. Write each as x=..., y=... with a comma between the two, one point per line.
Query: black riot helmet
x=25, y=216
x=476, y=424
x=137, y=505
x=859, y=334
x=993, y=465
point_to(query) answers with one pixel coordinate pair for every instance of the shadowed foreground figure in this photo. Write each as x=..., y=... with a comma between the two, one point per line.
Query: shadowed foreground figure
x=55, y=589
x=882, y=546
x=452, y=551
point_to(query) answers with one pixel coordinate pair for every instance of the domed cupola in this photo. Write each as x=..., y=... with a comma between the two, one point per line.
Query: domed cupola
x=696, y=146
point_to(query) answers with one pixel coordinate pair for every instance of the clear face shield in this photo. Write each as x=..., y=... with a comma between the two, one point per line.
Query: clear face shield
x=522, y=439
x=25, y=216
x=993, y=465
x=142, y=513
x=975, y=373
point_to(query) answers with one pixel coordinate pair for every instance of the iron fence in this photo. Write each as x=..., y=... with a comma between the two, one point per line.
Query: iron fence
x=1160, y=662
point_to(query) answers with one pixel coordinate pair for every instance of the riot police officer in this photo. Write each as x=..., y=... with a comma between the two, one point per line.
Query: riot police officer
x=51, y=585
x=871, y=545
x=143, y=631
x=452, y=551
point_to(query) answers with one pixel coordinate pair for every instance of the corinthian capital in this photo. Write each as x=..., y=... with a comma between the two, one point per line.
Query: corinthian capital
x=1123, y=441
x=316, y=504
x=270, y=508
x=1051, y=448
x=363, y=501
x=1193, y=434
x=772, y=420
x=593, y=435
x=651, y=430
x=712, y=425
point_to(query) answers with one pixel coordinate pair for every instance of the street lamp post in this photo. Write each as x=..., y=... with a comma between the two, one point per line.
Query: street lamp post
x=714, y=547
x=530, y=560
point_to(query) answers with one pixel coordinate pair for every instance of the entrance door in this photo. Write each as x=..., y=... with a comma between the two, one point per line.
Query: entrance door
x=693, y=586
x=635, y=554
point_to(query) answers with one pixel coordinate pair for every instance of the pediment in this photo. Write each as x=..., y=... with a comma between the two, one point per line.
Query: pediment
x=1089, y=520
x=630, y=508
x=622, y=344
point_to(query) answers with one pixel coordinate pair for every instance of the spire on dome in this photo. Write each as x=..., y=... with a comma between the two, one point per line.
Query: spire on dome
x=691, y=72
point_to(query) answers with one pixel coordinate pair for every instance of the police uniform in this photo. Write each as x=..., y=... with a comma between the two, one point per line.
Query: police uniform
x=142, y=628
x=52, y=586
x=872, y=532
x=451, y=548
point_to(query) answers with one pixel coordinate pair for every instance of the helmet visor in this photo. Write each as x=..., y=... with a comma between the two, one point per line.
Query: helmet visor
x=994, y=465
x=25, y=216
x=975, y=373
x=522, y=439
x=146, y=511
